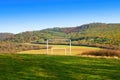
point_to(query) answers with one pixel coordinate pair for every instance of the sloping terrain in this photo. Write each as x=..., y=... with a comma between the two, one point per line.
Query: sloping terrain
x=94, y=34
x=4, y=36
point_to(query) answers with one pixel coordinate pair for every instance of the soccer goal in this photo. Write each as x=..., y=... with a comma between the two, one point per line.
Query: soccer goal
x=53, y=42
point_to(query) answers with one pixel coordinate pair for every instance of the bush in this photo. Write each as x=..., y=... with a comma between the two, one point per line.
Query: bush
x=11, y=47
x=108, y=53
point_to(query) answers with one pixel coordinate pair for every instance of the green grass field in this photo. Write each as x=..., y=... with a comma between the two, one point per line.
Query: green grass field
x=76, y=50
x=48, y=67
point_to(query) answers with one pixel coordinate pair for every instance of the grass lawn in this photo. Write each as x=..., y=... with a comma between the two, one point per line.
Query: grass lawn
x=48, y=67
x=76, y=50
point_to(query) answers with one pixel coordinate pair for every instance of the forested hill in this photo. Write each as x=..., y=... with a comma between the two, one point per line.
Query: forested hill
x=4, y=36
x=98, y=34
x=87, y=34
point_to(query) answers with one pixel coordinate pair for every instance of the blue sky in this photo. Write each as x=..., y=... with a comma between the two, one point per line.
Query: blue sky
x=27, y=15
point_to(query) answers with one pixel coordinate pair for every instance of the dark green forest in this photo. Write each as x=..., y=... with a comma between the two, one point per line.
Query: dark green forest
x=93, y=34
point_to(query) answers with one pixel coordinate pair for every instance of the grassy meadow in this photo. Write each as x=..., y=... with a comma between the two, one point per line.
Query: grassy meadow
x=60, y=50
x=49, y=67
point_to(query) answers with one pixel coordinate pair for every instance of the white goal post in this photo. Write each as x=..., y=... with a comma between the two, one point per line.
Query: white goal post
x=52, y=49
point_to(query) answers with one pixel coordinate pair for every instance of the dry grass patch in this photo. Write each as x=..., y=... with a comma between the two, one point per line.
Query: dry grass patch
x=75, y=50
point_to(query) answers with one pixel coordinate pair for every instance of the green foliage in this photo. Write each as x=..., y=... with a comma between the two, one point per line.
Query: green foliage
x=97, y=34
x=40, y=41
x=37, y=35
x=44, y=67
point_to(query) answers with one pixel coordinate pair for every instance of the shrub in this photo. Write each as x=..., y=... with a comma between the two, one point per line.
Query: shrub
x=108, y=53
x=10, y=47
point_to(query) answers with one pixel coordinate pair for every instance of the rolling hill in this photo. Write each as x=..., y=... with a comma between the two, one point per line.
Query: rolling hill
x=93, y=34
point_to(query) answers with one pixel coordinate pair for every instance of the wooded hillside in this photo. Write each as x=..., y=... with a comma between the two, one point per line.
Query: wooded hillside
x=4, y=36
x=94, y=34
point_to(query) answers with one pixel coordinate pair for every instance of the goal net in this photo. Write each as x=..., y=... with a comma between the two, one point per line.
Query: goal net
x=59, y=46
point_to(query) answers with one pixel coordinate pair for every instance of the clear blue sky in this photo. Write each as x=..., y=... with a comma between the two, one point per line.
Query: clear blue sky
x=27, y=15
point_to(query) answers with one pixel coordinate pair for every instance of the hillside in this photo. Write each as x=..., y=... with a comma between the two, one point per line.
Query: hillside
x=94, y=34
x=98, y=33
x=4, y=36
